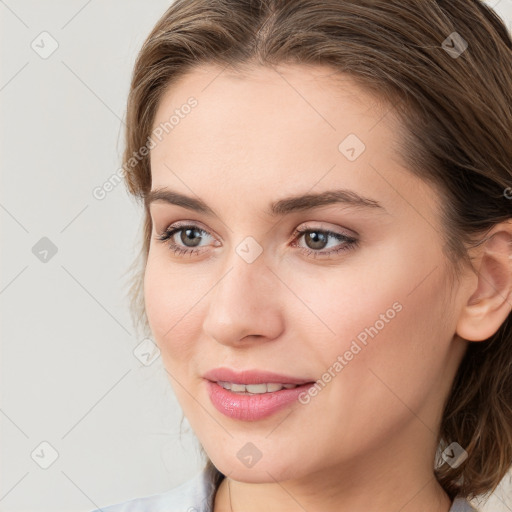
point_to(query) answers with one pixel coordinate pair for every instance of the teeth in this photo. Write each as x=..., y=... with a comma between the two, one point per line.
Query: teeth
x=255, y=389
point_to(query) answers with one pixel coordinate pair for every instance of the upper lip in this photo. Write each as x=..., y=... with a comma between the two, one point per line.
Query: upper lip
x=251, y=377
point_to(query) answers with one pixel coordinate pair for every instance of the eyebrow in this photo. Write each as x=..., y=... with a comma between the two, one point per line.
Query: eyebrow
x=278, y=208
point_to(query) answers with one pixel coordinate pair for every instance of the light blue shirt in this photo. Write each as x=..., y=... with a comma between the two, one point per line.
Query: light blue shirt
x=197, y=495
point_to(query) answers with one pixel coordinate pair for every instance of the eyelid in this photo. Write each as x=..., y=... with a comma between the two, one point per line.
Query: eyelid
x=309, y=226
x=186, y=224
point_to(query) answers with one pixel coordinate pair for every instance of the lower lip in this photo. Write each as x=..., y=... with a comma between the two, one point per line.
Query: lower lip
x=252, y=407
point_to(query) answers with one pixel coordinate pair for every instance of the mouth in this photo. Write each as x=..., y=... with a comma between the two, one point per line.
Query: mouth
x=227, y=376
x=255, y=389
x=253, y=402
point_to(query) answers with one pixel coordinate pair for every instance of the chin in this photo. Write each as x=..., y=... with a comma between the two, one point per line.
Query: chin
x=264, y=471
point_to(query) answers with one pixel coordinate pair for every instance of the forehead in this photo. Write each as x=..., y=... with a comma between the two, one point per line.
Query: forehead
x=289, y=92
x=272, y=103
x=267, y=129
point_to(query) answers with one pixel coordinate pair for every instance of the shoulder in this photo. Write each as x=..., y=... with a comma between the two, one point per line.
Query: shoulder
x=194, y=495
x=462, y=505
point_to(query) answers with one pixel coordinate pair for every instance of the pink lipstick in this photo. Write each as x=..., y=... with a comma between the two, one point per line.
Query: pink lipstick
x=252, y=395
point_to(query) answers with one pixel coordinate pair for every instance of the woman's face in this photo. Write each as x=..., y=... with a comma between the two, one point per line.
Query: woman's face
x=360, y=303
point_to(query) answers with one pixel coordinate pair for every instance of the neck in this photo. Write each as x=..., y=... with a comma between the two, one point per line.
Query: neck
x=234, y=496
x=386, y=479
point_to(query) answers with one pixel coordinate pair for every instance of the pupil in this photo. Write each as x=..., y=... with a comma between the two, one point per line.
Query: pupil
x=186, y=232
x=318, y=239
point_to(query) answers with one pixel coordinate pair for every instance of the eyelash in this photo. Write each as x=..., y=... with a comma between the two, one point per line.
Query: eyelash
x=350, y=242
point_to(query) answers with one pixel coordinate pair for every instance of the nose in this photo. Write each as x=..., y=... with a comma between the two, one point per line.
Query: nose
x=244, y=303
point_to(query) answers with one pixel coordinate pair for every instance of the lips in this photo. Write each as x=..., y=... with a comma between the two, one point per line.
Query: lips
x=252, y=407
x=252, y=377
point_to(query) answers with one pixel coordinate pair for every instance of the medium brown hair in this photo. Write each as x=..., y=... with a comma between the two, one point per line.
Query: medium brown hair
x=456, y=115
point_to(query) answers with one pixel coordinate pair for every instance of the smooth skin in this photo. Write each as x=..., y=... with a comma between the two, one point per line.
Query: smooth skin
x=367, y=440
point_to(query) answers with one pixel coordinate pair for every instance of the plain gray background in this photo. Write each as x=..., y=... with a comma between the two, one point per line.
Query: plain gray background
x=69, y=376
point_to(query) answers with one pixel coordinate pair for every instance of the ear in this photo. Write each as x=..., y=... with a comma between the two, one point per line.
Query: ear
x=490, y=301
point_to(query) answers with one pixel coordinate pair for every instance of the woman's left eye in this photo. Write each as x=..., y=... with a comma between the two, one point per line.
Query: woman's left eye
x=192, y=234
x=315, y=237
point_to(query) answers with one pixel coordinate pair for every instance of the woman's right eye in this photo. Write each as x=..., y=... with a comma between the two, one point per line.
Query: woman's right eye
x=189, y=232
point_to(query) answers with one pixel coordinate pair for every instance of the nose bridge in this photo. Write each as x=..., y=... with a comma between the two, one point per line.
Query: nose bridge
x=244, y=301
x=245, y=286
x=248, y=273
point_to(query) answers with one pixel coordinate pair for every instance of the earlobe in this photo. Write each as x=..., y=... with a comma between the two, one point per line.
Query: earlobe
x=490, y=302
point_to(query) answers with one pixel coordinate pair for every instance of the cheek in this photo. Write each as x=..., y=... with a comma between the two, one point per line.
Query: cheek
x=171, y=298
x=393, y=346
x=340, y=303
x=393, y=323
x=345, y=317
